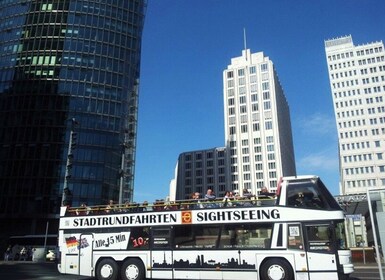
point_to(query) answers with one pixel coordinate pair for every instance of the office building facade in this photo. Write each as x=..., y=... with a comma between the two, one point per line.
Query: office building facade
x=258, y=132
x=357, y=82
x=69, y=76
x=198, y=171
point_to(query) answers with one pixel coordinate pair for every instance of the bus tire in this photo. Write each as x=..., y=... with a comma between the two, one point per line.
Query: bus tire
x=276, y=269
x=107, y=269
x=132, y=269
x=343, y=276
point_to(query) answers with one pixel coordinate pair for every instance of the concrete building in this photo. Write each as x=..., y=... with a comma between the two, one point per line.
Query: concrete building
x=357, y=81
x=69, y=77
x=258, y=138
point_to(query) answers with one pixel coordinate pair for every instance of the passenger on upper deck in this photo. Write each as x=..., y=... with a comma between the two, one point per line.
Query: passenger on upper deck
x=210, y=196
x=196, y=203
x=264, y=193
x=158, y=205
x=83, y=210
x=247, y=198
x=228, y=198
x=127, y=207
x=145, y=206
x=110, y=208
x=247, y=194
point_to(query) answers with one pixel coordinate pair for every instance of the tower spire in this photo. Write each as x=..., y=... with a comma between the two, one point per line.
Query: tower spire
x=244, y=38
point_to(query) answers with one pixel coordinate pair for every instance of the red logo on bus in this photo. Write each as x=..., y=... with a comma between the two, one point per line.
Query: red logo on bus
x=186, y=217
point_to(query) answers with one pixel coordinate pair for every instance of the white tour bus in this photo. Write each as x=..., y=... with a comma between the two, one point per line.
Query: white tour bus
x=299, y=234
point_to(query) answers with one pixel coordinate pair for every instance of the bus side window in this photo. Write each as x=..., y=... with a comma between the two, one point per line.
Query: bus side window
x=318, y=238
x=197, y=236
x=246, y=236
x=184, y=237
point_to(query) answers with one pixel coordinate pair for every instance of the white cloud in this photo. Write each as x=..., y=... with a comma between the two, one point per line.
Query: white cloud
x=326, y=160
x=321, y=124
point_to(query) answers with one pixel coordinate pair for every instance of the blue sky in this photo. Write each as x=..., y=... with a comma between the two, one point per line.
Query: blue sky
x=188, y=43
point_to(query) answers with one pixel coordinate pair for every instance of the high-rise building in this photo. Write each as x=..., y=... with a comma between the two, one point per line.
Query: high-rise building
x=357, y=81
x=69, y=75
x=258, y=132
x=259, y=144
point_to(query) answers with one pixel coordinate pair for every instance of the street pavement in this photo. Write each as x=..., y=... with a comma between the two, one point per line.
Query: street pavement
x=27, y=270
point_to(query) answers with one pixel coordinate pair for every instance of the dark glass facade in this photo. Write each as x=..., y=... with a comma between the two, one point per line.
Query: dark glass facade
x=69, y=71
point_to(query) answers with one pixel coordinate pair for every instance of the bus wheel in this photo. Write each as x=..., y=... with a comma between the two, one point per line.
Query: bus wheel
x=276, y=269
x=132, y=269
x=107, y=269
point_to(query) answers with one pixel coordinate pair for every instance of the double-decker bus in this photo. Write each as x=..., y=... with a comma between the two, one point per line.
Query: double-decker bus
x=299, y=234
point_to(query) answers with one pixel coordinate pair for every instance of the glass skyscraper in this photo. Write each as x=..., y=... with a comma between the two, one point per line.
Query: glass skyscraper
x=69, y=76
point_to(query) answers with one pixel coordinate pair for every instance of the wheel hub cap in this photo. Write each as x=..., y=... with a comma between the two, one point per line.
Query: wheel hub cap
x=132, y=272
x=106, y=271
x=276, y=272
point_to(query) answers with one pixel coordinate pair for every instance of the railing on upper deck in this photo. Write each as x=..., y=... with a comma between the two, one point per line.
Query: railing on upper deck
x=162, y=205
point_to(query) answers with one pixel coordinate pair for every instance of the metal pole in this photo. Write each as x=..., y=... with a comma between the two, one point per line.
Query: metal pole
x=362, y=239
x=69, y=159
x=375, y=236
x=45, y=237
x=121, y=178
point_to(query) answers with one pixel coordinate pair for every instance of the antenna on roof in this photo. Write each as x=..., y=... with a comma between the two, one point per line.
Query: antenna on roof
x=244, y=37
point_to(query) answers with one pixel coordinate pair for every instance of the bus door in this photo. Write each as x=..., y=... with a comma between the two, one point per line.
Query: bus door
x=85, y=254
x=321, y=252
x=161, y=253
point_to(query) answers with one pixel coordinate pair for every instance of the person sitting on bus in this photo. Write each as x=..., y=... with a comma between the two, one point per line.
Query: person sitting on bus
x=237, y=200
x=127, y=207
x=110, y=208
x=170, y=205
x=145, y=206
x=210, y=196
x=264, y=193
x=196, y=203
x=158, y=205
x=83, y=210
x=312, y=202
x=299, y=200
x=227, y=199
x=247, y=198
x=265, y=197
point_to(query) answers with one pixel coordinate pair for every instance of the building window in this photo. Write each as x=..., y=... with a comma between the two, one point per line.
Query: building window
x=266, y=95
x=265, y=86
x=267, y=105
x=232, y=130
x=264, y=67
x=256, y=127
x=268, y=125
